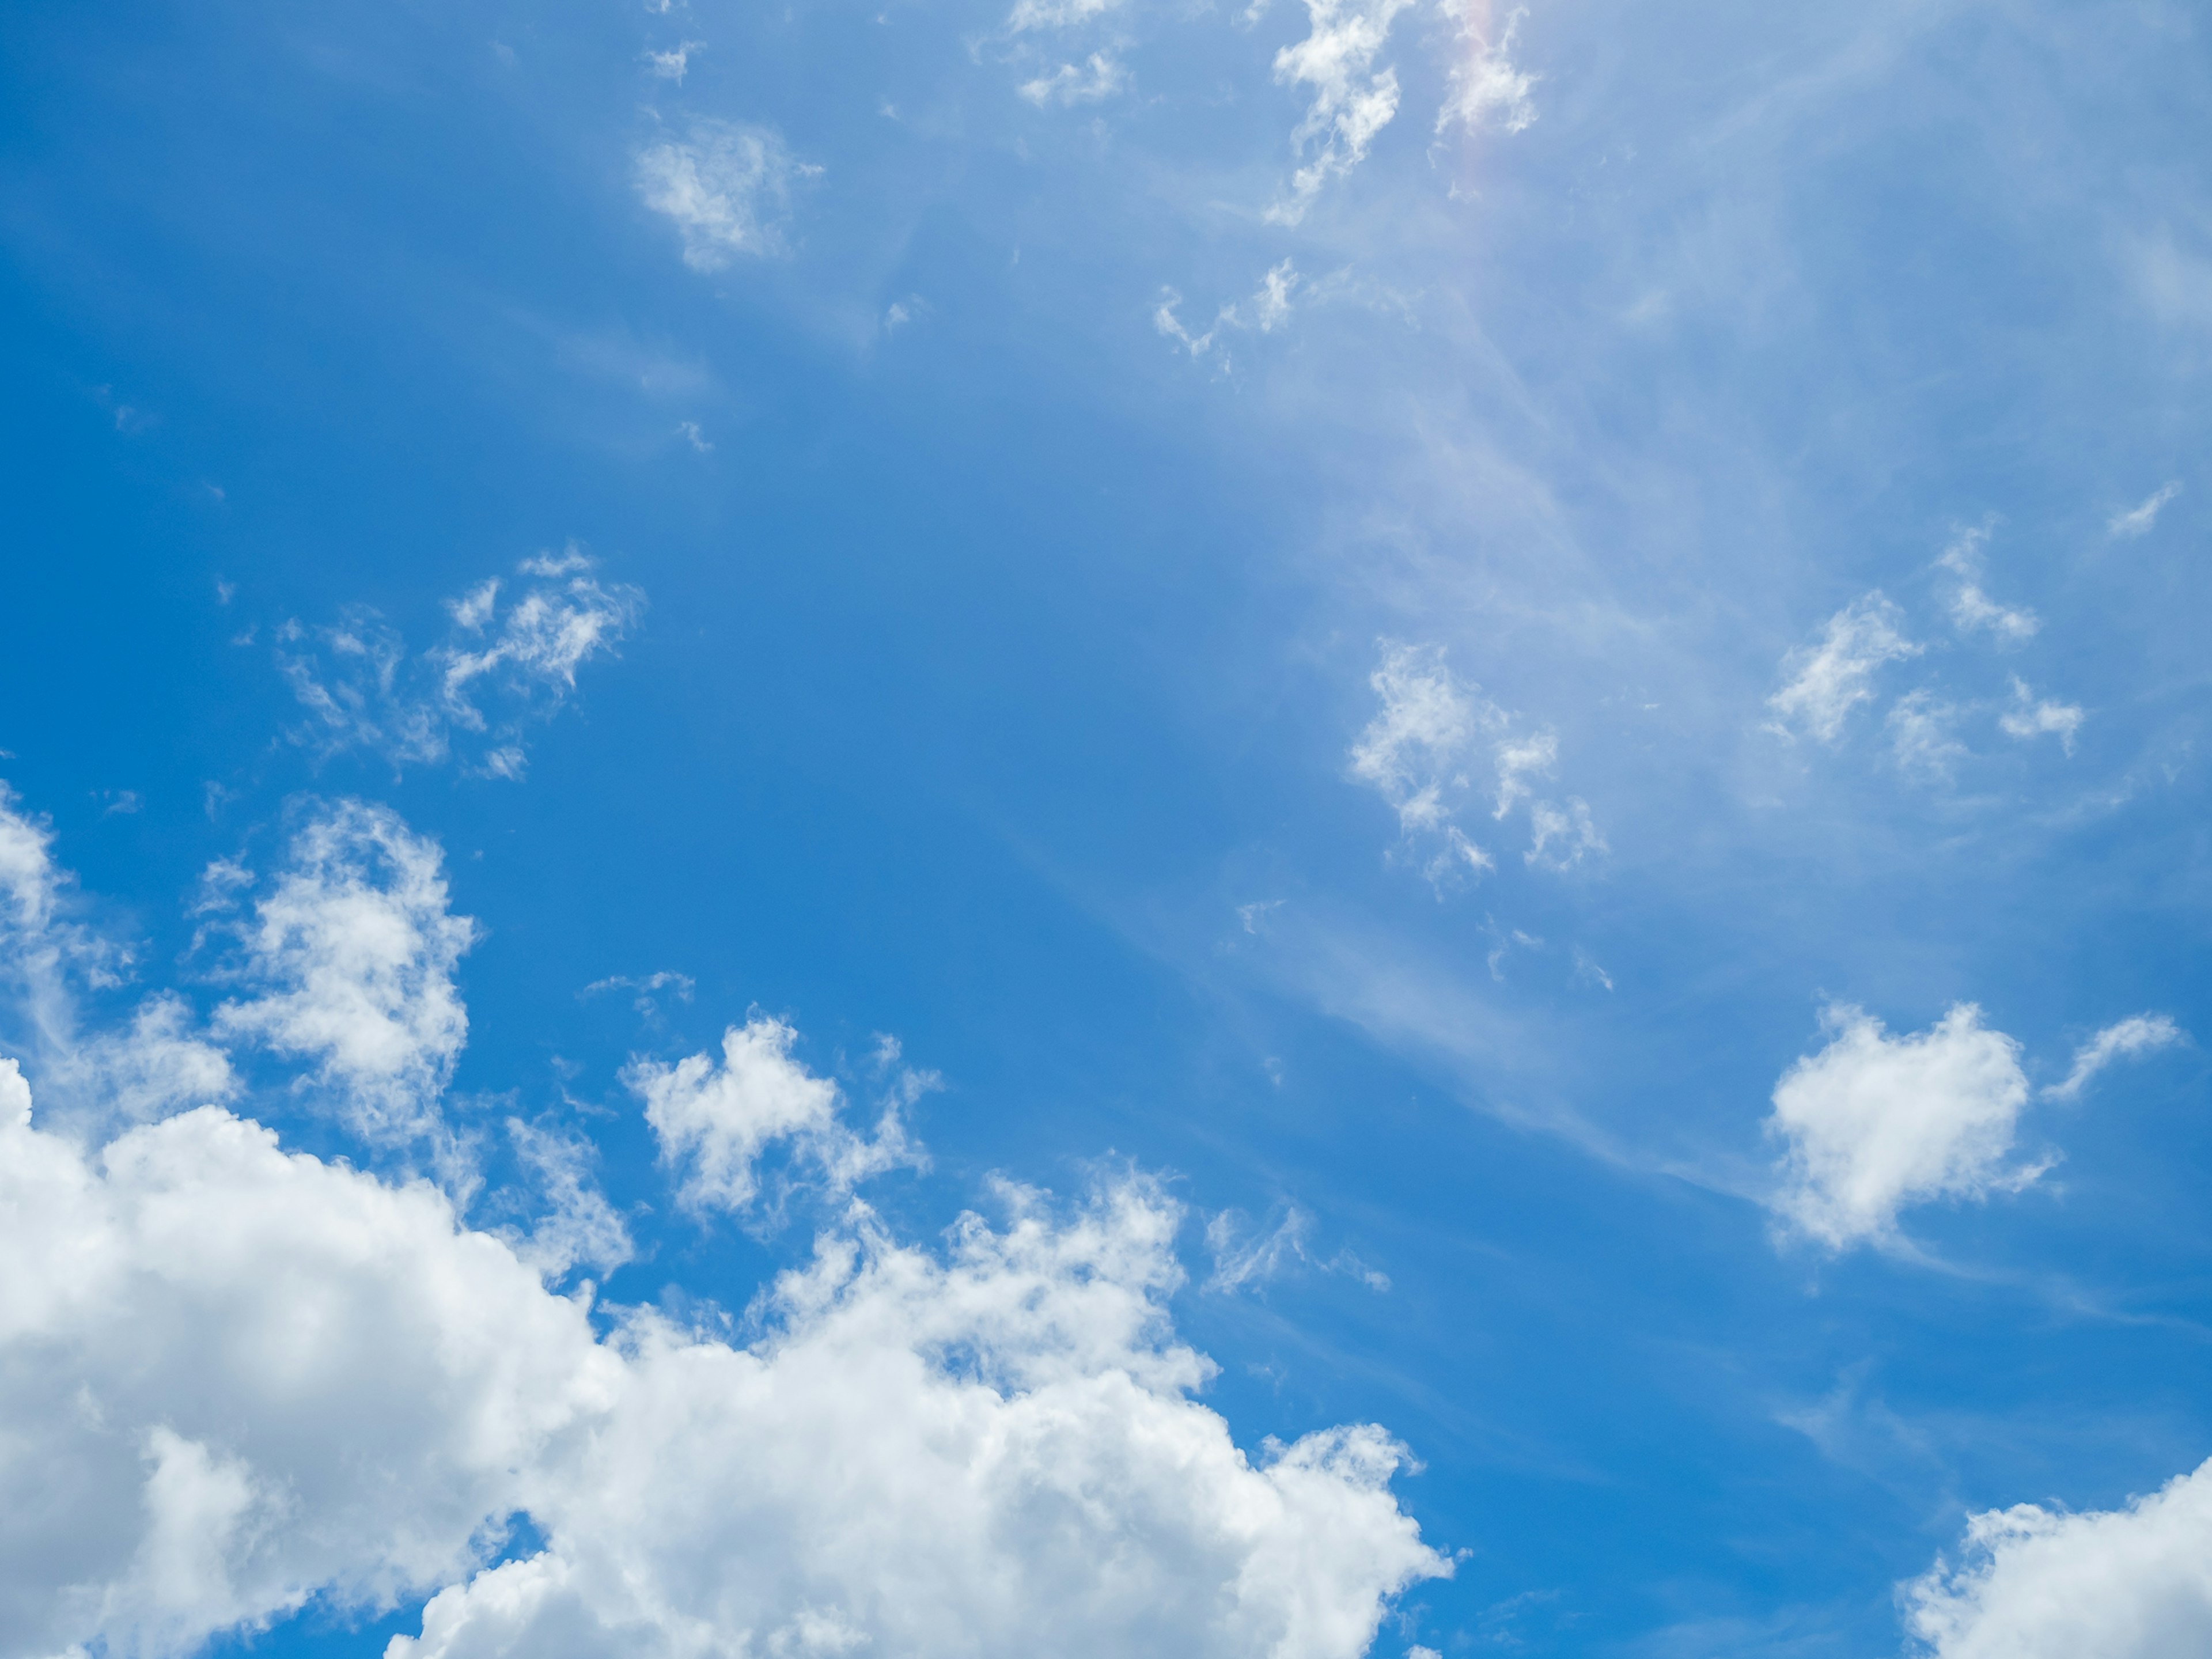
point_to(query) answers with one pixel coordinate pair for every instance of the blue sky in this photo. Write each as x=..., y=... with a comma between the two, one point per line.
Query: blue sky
x=1499, y=715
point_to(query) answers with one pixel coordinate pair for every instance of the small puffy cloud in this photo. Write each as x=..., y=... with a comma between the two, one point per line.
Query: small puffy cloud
x=1271, y=304
x=726, y=186
x=2138, y=1034
x=1973, y=611
x=355, y=951
x=1351, y=101
x=1486, y=92
x=1826, y=680
x=1422, y=751
x=673, y=65
x=507, y=660
x=2134, y=1582
x=715, y=1123
x=2029, y=719
x=2138, y=520
x=1873, y=1123
x=1099, y=78
x=577, y=1227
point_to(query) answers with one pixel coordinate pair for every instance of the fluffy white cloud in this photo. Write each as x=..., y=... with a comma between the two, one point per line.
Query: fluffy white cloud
x=990, y=1455
x=1486, y=91
x=518, y=655
x=2028, y=719
x=356, y=948
x=2138, y=1034
x=715, y=1123
x=1873, y=1123
x=2134, y=1582
x=1826, y=680
x=231, y=1379
x=578, y=1227
x=2139, y=520
x=1972, y=610
x=726, y=186
x=1099, y=78
x=1352, y=101
x=1420, y=753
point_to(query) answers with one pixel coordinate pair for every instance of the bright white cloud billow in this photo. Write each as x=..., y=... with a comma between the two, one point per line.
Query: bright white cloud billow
x=352, y=955
x=1873, y=1123
x=509, y=658
x=1351, y=101
x=1826, y=680
x=1432, y=733
x=2138, y=1034
x=715, y=1122
x=235, y=1378
x=726, y=186
x=2133, y=1582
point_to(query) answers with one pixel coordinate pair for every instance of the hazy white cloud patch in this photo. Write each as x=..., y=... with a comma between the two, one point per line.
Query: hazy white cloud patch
x=1824, y=681
x=576, y=1227
x=2138, y=1034
x=2132, y=1583
x=354, y=953
x=1351, y=101
x=1923, y=735
x=1270, y=305
x=2139, y=520
x=1873, y=1123
x=1247, y=1258
x=2030, y=718
x=725, y=186
x=509, y=658
x=674, y=64
x=1486, y=92
x=715, y=1123
x=1168, y=322
x=1424, y=749
x=1029, y=15
x=690, y=431
x=1972, y=610
x=1099, y=78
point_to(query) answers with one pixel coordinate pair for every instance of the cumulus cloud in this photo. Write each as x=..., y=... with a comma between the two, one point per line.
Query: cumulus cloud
x=2138, y=1034
x=1973, y=611
x=726, y=186
x=506, y=660
x=715, y=1123
x=2029, y=719
x=989, y=1454
x=1486, y=92
x=1351, y=101
x=1826, y=680
x=2134, y=1582
x=1873, y=1123
x=1099, y=78
x=1421, y=752
x=353, y=953
x=2139, y=520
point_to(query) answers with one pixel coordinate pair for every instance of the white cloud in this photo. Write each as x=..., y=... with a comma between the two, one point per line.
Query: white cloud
x=1486, y=92
x=2138, y=1034
x=1420, y=753
x=715, y=1123
x=1099, y=78
x=1351, y=101
x=356, y=948
x=1564, y=836
x=1873, y=1123
x=673, y=65
x=1171, y=326
x=1055, y=14
x=234, y=1378
x=2138, y=520
x=726, y=186
x=518, y=655
x=578, y=1228
x=2134, y=1582
x=1245, y=1258
x=1832, y=677
x=691, y=433
x=990, y=1455
x=1272, y=301
x=1921, y=734
x=1973, y=611
x=2028, y=719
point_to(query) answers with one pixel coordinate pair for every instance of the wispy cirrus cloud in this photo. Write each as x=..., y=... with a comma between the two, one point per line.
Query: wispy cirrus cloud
x=725, y=186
